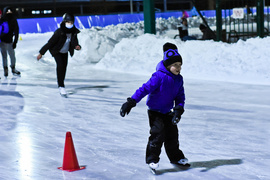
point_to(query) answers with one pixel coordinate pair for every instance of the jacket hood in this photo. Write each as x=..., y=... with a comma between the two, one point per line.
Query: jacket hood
x=162, y=68
x=9, y=16
x=5, y=10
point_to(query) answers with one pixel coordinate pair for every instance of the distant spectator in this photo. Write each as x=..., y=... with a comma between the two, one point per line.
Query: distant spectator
x=185, y=15
x=8, y=43
x=3, y=27
x=183, y=31
x=208, y=34
x=249, y=11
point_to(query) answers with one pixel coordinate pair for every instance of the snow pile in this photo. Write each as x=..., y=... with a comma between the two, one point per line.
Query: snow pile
x=98, y=41
x=125, y=48
x=244, y=61
x=94, y=46
x=135, y=55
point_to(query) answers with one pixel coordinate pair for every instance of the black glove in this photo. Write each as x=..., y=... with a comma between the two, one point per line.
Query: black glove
x=178, y=111
x=126, y=107
x=14, y=45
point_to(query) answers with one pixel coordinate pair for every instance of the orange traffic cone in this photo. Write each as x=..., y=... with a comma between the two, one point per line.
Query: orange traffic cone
x=70, y=162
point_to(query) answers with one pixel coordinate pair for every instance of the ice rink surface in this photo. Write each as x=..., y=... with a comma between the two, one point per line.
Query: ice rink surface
x=224, y=131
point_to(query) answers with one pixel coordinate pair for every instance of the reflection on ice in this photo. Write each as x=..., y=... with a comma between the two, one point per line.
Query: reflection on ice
x=11, y=103
x=25, y=150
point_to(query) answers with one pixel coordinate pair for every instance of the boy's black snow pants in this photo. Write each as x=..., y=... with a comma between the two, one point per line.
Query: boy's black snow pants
x=61, y=67
x=162, y=131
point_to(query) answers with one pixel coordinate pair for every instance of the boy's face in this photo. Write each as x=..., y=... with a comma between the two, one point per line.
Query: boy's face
x=175, y=68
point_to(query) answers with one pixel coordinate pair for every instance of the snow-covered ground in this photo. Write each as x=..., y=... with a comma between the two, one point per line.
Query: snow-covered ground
x=224, y=131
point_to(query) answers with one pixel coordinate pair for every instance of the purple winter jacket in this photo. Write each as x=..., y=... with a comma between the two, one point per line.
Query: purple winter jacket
x=163, y=89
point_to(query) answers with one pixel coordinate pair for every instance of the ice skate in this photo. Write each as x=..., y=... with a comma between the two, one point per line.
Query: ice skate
x=5, y=71
x=153, y=167
x=16, y=72
x=182, y=163
x=63, y=92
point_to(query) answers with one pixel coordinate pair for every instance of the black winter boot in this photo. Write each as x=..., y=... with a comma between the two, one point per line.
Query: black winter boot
x=5, y=71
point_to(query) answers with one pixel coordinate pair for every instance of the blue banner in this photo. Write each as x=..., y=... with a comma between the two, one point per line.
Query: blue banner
x=42, y=25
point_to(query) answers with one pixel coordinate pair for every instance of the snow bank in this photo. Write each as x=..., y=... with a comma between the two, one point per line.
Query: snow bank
x=125, y=48
x=244, y=61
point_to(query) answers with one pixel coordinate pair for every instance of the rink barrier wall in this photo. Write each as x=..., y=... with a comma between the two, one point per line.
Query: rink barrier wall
x=43, y=25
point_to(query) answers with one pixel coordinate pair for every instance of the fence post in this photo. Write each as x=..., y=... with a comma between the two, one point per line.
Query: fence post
x=260, y=18
x=149, y=17
x=218, y=21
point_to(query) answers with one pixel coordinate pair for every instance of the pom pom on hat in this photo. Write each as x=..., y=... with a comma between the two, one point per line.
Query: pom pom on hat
x=168, y=46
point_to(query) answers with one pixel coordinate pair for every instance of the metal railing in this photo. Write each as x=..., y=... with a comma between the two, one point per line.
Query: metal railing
x=242, y=19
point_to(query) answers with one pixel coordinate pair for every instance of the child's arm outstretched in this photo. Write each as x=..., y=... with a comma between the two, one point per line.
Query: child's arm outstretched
x=126, y=107
x=51, y=42
x=140, y=93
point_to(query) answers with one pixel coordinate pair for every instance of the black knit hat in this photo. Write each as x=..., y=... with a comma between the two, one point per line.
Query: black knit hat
x=68, y=17
x=171, y=56
x=168, y=46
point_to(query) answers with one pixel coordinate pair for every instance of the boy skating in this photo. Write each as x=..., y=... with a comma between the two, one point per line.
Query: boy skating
x=165, y=92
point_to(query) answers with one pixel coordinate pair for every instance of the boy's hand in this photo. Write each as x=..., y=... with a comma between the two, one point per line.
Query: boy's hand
x=178, y=111
x=126, y=107
x=175, y=120
x=78, y=47
x=39, y=56
x=14, y=45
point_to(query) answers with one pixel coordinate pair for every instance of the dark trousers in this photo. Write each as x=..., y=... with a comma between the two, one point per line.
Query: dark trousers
x=7, y=49
x=162, y=131
x=61, y=67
